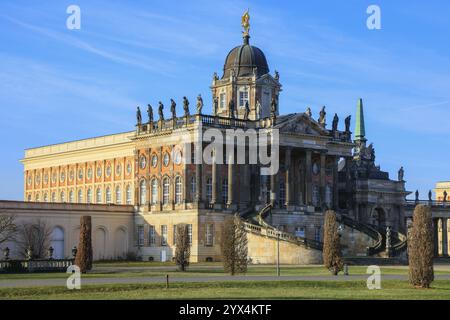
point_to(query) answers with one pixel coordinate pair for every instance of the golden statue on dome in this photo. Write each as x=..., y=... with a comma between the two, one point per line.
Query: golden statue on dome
x=246, y=23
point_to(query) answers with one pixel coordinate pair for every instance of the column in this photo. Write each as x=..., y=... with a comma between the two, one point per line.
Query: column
x=198, y=183
x=436, y=236
x=287, y=181
x=308, y=178
x=214, y=179
x=185, y=181
x=444, y=237
x=322, y=180
x=230, y=179
x=335, y=183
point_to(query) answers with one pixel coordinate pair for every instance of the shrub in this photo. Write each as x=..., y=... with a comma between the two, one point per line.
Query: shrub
x=331, y=244
x=84, y=254
x=421, y=248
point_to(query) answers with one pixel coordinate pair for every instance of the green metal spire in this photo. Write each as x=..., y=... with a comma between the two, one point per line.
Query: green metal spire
x=360, y=130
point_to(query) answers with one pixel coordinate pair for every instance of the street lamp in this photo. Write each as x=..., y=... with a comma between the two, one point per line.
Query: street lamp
x=74, y=251
x=50, y=252
x=6, y=253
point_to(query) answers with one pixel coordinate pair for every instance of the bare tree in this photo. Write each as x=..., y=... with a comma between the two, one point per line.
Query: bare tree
x=84, y=254
x=183, y=246
x=8, y=228
x=331, y=244
x=421, y=248
x=234, y=246
x=36, y=236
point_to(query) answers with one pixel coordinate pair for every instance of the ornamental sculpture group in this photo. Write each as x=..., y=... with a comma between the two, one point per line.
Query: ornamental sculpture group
x=173, y=110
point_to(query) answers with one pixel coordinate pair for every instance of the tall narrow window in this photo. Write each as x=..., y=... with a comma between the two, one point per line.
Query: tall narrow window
x=80, y=196
x=142, y=192
x=163, y=235
x=89, y=196
x=63, y=196
x=225, y=190
x=140, y=230
x=328, y=196
x=98, y=195
x=108, y=195
x=151, y=236
x=46, y=197
x=53, y=197
x=37, y=197
x=282, y=192
x=178, y=190
x=190, y=233
x=315, y=196
x=209, y=189
x=223, y=100
x=71, y=197
x=166, y=190
x=128, y=194
x=193, y=188
x=118, y=195
x=210, y=234
x=243, y=97
x=154, y=191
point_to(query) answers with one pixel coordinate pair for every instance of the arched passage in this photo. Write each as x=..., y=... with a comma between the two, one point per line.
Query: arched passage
x=99, y=250
x=57, y=242
x=121, y=243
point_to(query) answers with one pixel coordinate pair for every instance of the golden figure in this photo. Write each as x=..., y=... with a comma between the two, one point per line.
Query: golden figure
x=246, y=22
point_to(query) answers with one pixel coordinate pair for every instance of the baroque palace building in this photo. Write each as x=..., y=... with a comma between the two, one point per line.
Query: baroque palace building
x=139, y=185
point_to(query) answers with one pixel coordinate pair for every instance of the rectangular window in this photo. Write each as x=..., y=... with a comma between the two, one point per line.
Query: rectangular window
x=300, y=232
x=223, y=101
x=163, y=235
x=151, y=236
x=140, y=230
x=210, y=234
x=190, y=233
x=243, y=98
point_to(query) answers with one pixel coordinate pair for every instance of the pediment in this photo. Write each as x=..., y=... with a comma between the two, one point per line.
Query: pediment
x=268, y=80
x=302, y=124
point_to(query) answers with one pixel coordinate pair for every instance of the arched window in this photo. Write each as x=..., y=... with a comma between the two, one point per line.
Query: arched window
x=89, y=196
x=154, y=191
x=71, y=197
x=142, y=192
x=225, y=190
x=166, y=190
x=62, y=196
x=108, y=194
x=98, y=195
x=178, y=190
x=328, y=195
x=53, y=196
x=38, y=198
x=29, y=198
x=128, y=195
x=282, y=193
x=46, y=197
x=209, y=189
x=118, y=195
x=193, y=188
x=315, y=196
x=80, y=196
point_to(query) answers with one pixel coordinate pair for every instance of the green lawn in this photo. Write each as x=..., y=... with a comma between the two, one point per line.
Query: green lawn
x=238, y=290
x=202, y=270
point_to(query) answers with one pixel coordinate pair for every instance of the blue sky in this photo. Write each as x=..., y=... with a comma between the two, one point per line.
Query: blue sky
x=58, y=85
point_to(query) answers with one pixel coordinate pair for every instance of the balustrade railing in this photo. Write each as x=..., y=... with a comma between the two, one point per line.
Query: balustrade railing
x=24, y=266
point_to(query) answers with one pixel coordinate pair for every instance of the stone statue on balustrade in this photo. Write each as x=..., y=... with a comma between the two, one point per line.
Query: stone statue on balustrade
x=138, y=116
x=186, y=106
x=335, y=122
x=161, y=111
x=322, y=117
x=199, y=104
x=430, y=196
x=347, y=124
x=216, y=106
x=401, y=173
x=173, y=108
x=445, y=196
x=150, y=113
x=417, y=195
x=308, y=112
x=247, y=110
x=273, y=108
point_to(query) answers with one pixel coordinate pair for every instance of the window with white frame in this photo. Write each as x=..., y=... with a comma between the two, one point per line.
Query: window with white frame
x=89, y=196
x=128, y=194
x=37, y=197
x=98, y=195
x=282, y=193
x=178, y=190
x=53, y=196
x=209, y=189
x=118, y=195
x=222, y=100
x=328, y=195
x=142, y=192
x=151, y=236
x=140, y=230
x=315, y=196
x=46, y=197
x=225, y=190
x=189, y=227
x=71, y=197
x=163, y=235
x=166, y=190
x=210, y=234
x=154, y=191
x=243, y=97
x=62, y=197
x=80, y=196
x=193, y=188
x=108, y=195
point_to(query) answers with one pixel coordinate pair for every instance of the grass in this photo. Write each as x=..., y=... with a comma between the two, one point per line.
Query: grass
x=105, y=271
x=391, y=289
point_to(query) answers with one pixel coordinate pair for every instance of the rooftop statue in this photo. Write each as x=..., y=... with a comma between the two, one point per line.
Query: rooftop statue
x=273, y=107
x=322, y=117
x=186, y=106
x=401, y=173
x=277, y=75
x=445, y=196
x=308, y=112
x=258, y=109
x=173, y=108
x=430, y=195
x=199, y=104
x=347, y=123
x=335, y=122
x=245, y=21
x=150, y=113
x=216, y=106
x=160, y=111
x=138, y=116
x=417, y=195
x=215, y=76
